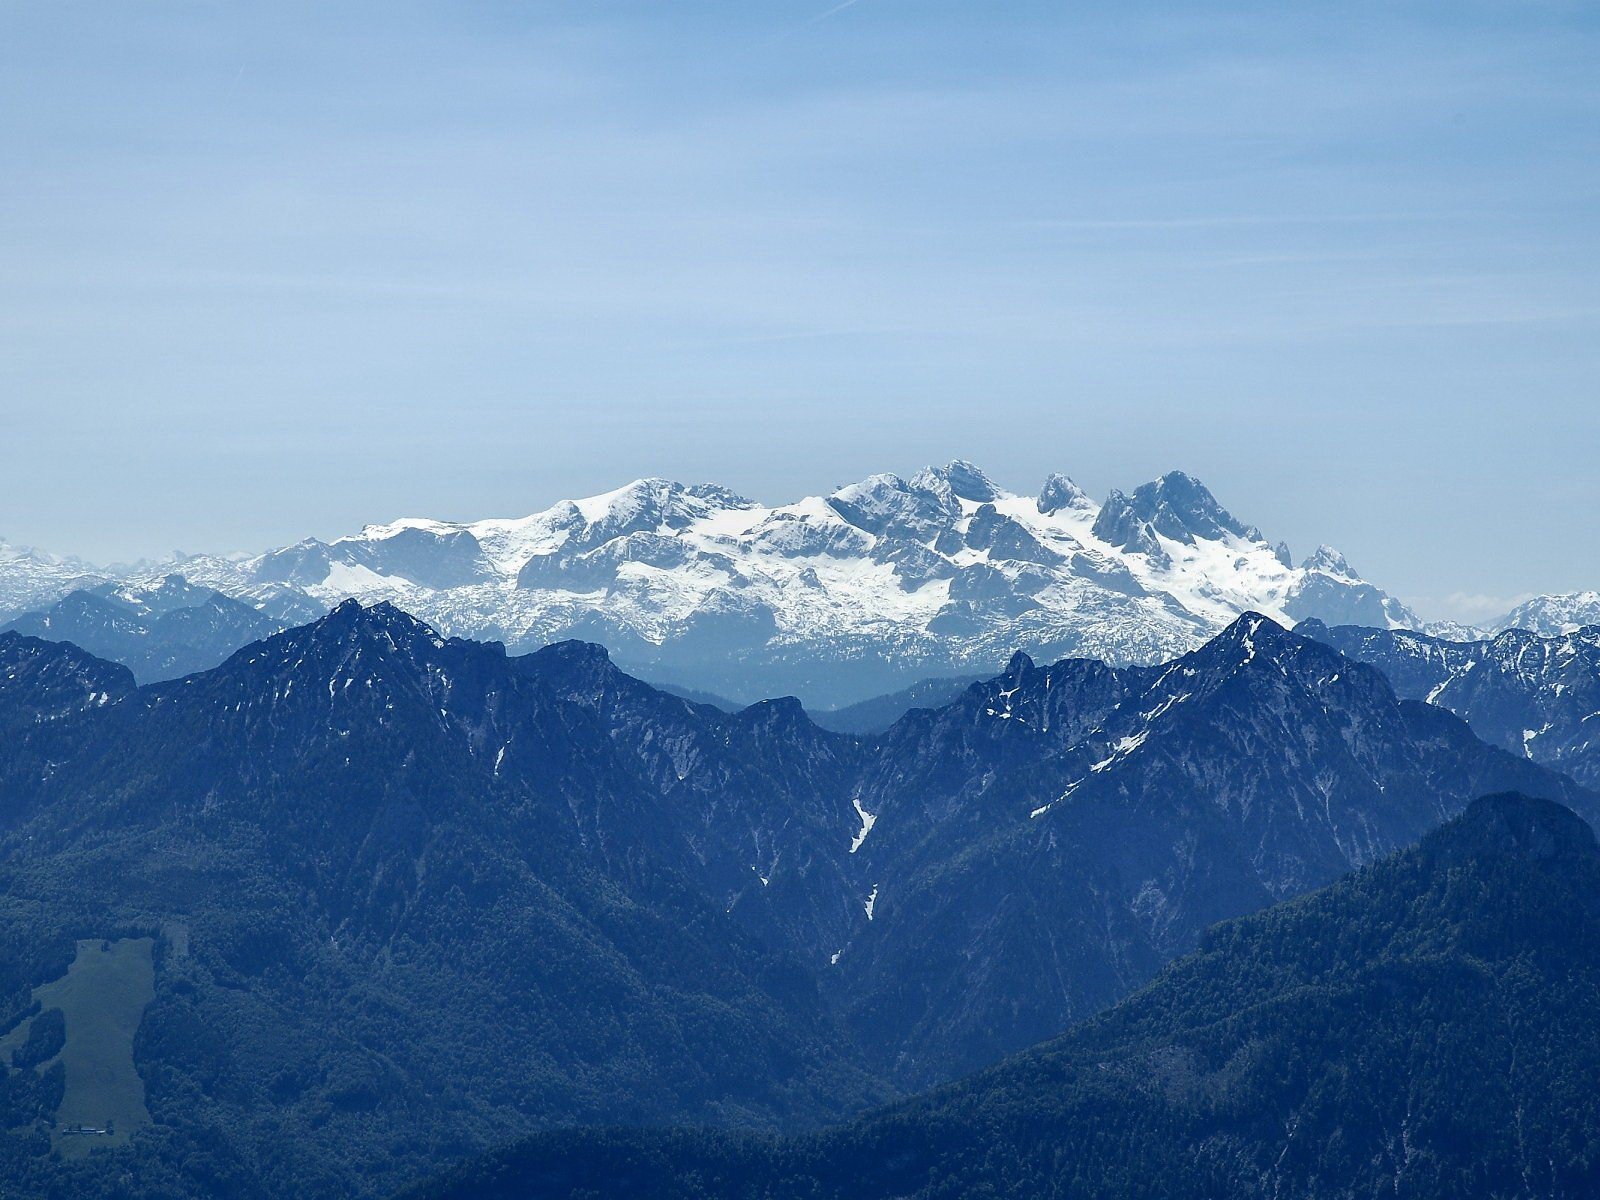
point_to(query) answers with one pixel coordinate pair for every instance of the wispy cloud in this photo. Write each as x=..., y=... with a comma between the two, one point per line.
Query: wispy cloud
x=834, y=11
x=1236, y=221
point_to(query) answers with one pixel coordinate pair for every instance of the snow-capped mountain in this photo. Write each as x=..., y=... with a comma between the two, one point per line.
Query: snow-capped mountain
x=834, y=598
x=30, y=578
x=1551, y=616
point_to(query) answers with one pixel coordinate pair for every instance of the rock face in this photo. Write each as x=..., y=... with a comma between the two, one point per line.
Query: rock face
x=439, y=883
x=1538, y=697
x=837, y=598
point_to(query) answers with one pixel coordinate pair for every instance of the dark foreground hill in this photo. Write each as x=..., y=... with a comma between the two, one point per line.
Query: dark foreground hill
x=1423, y=1028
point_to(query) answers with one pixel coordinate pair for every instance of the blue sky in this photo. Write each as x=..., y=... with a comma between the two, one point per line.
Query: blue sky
x=277, y=270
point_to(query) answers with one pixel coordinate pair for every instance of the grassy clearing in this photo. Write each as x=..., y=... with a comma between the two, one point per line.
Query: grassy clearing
x=103, y=996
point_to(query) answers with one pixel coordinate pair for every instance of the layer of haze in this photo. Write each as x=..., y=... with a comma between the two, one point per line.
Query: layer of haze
x=274, y=270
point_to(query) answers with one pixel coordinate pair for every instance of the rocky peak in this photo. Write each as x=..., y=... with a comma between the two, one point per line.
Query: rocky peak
x=50, y=679
x=351, y=641
x=1182, y=508
x=1120, y=524
x=1328, y=561
x=1018, y=666
x=581, y=671
x=1254, y=642
x=351, y=616
x=782, y=715
x=1005, y=539
x=1060, y=493
x=962, y=478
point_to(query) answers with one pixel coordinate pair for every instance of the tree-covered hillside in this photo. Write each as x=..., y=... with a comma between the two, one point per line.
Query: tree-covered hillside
x=1424, y=1028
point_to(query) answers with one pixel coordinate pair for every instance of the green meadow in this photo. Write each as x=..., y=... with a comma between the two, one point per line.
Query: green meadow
x=102, y=996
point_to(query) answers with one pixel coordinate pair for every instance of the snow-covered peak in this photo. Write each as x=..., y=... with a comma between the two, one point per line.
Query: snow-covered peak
x=674, y=503
x=1329, y=588
x=31, y=579
x=961, y=479
x=1328, y=561
x=1563, y=612
x=1060, y=492
x=887, y=505
x=806, y=529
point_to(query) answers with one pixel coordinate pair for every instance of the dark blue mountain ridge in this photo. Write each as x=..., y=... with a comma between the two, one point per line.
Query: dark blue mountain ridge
x=424, y=881
x=1079, y=825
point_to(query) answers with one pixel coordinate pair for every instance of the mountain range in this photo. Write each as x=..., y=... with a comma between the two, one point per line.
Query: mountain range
x=835, y=598
x=1537, y=696
x=30, y=578
x=1060, y=832
x=839, y=599
x=399, y=882
x=1422, y=1028
x=1552, y=615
